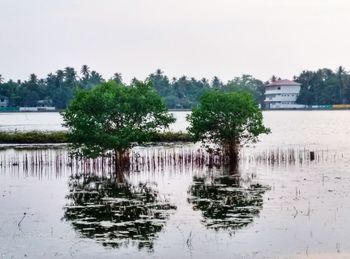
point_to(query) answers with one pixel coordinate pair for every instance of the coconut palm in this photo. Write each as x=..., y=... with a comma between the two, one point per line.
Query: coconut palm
x=117, y=77
x=85, y=71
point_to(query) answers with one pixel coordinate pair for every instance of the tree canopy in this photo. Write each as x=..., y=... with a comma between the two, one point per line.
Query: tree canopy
x=228, y=119
x=111, y=117
x=323, y=86
x=57, y=89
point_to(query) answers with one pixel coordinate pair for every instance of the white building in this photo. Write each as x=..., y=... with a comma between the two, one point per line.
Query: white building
x=282, y=94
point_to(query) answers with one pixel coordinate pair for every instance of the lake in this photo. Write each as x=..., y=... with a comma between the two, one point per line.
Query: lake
x=280, y=203
x=52, y=121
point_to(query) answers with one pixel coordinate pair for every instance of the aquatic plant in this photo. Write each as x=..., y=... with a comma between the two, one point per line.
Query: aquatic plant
x=52, y=137
x=229, y=120
x=112, y=118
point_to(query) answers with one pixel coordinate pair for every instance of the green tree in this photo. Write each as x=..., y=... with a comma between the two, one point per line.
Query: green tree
x=117, y=77
x=227, y=119
x=110, y=118
x=85, y=71
x=248, y=84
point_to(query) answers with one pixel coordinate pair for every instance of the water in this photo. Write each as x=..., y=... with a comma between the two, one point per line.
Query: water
x=52, y=121
x=286, y=207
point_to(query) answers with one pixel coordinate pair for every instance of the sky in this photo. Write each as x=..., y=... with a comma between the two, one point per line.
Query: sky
x=196, y=38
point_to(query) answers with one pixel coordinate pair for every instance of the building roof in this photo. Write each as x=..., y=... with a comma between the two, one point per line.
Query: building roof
x=283, y=82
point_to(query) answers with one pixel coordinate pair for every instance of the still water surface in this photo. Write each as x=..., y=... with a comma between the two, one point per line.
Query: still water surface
x=52, y=121
x=291, y=208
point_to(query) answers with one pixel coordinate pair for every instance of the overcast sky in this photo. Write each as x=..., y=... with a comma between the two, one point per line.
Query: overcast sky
x=199, y=38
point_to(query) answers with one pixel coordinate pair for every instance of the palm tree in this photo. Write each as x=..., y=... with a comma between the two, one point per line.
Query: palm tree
x=216, y=83
x=340, y=74
x=59, y=77
x=159, y=72
x=70, y=75
x=117, y=77
x=85, y=71
x=33, y=78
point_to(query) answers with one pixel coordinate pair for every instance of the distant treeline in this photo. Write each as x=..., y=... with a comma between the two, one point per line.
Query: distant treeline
x=323, y=86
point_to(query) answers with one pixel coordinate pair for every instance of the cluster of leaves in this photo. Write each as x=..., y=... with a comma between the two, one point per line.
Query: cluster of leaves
x=229, y=119
x=113, y=117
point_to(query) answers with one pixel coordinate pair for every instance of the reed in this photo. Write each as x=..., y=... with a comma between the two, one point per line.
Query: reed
x=154, y=159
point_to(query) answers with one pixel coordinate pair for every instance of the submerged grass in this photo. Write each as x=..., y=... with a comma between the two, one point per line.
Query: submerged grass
x=40, y=137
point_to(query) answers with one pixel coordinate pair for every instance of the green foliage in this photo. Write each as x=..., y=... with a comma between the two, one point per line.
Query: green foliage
x=324, y=86
x=114, y=117
x=30, y=137
x=178, y=93
x=49, y=137
x=247, y=83
x=184, y=93
x=171, y=137
x=228, y=119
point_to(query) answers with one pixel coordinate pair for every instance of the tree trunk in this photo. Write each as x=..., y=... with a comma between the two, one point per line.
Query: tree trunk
x=233, y=154
x=121, y=160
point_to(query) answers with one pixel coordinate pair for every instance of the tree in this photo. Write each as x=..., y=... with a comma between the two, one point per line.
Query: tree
x=117, y=77
x=70, y=76
x=249, y=84
x=85, y=71
x=227, y=119
x=110, y=118
x=216, y=83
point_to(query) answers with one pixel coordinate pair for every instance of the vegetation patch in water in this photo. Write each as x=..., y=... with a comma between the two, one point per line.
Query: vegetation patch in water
x=40, y=137
x=33, y=137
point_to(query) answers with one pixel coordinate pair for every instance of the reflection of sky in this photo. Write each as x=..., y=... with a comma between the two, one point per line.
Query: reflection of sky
x=113, y=213
x=306, y=208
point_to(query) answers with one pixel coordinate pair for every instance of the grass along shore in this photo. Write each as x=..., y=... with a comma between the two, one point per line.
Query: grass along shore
x=49, y=137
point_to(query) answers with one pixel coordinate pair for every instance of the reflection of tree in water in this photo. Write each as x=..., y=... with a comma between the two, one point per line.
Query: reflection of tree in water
x=225, y=202
x=115, y=213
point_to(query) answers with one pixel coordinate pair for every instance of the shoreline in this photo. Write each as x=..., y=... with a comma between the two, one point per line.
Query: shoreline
x=61, y=137
x=189, y=110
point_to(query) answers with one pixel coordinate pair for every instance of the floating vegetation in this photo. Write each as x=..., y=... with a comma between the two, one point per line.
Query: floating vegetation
x=226, y=202
x=114, y=212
